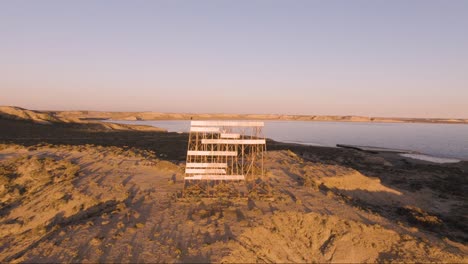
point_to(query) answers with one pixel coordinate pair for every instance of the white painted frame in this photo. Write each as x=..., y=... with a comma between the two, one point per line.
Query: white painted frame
x=228, y=123
x=235, y=141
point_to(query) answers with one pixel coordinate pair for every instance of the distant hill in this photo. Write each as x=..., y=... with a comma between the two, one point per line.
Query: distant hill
x=48, y=118
x=12, y=112
x=87, y=116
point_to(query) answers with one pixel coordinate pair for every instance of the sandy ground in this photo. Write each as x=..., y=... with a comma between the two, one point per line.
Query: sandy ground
x=88, y=203
x=73, y=190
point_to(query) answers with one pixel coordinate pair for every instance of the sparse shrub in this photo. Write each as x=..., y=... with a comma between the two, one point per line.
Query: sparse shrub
x=418, y=216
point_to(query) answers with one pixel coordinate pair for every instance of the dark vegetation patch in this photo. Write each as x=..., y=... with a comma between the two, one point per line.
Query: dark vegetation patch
x=169, y=146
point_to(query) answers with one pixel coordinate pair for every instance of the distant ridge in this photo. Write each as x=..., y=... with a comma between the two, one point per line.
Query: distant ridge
x=85, y=116
x=48, y=118
x=13, y=112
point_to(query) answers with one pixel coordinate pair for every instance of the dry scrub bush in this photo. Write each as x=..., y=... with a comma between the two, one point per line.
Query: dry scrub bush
x=418, y=216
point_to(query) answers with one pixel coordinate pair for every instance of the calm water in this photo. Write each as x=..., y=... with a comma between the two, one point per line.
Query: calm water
x=440, y=140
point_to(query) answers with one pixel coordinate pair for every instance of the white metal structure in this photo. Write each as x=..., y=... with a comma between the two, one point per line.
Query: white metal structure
x=220, y=151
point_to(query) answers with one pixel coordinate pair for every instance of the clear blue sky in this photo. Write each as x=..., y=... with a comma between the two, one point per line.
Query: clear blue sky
x=372, y=58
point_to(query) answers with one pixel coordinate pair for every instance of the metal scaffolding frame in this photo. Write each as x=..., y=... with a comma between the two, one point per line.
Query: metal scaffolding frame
x=224, y=156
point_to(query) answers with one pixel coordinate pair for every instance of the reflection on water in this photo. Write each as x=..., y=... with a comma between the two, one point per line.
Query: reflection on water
x=441, y=140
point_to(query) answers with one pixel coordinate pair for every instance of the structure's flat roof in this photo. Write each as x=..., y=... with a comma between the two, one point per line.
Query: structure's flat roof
x=211, y=153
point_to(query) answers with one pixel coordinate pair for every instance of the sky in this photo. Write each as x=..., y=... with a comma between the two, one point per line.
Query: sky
x=371, y=58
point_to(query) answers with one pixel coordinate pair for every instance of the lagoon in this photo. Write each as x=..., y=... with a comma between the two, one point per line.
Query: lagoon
x=438, y=140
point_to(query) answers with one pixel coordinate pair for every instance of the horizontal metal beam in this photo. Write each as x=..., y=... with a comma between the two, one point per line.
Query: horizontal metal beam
x=211, y=153
x=205, y=171
x=235, y=141
x=206, y=165
x=229, y=135
x=204, y=129
x=216, y=177
x=228, y=123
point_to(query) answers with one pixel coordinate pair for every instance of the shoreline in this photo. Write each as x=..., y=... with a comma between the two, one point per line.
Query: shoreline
x=369, y=148
x=338, y=119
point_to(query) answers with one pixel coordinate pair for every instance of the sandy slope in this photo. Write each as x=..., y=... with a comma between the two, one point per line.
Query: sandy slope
x=105, y=204
x=311, y=237
x=21, y=113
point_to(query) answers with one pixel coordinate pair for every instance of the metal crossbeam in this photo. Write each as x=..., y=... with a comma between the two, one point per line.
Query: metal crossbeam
x=211, y=153
x=205, y=171
x=205, y=129
x=228, y=135
x=217, y=177
x=234, y=141
x=206, y=165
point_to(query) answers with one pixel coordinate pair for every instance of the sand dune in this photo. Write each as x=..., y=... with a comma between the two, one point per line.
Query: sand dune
x=90, y=203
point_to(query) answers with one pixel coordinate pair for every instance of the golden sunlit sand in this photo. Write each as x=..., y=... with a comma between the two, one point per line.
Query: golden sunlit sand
x=86, y=201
